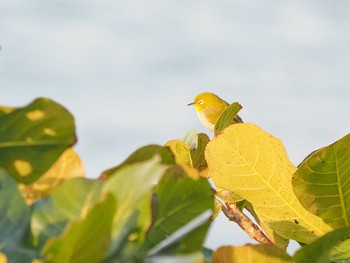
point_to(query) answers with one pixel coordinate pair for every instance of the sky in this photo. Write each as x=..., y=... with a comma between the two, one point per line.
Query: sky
x=127, y=69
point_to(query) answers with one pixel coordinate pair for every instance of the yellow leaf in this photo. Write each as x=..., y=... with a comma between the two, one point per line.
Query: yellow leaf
x=181, y=151
x=3, y=258
x=250, y=254
x=252, y=163
x=67, y=166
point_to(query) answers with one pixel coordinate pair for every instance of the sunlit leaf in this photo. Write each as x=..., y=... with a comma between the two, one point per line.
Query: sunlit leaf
x=228, y=117
x=32, y=138
x=70, y=202
x=188, y=258
x=275, y=238
x=322, y=183
x=14, y=222
x=181, y=199
x=67, y=166
x=341, y=252
x=84, y=241
x=143, y=154
x=251, y=254
x=322, y=250
x=3, y=258
x=191, y=159
x=250, y=162
x=181, y=151
x=228, y=196
x=6, y=110
x=183, y=156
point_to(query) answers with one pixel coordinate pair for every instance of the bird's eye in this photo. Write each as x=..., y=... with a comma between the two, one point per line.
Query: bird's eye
x=201, y=102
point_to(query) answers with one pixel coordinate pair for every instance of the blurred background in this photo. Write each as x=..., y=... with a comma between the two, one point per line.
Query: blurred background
x=127, y=69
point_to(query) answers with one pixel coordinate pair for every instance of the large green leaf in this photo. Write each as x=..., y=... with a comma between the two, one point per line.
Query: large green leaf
x=87, y=240
x=14, y=221
x=253, y=164
x=323, y=249
x=322, y=183
x=32, y=138
x=132, y=187
x=181, y=199
x=143, y=154
x=251, y=254
x=70, y=202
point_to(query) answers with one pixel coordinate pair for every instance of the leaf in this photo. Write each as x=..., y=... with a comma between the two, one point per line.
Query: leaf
x=190, y=138
x=33, y=138
x=143, y=154
x=250, y=162
x=197, y=154
x=181, y=151
x=251, y=254
x=228, y=117
x=132, y=188
x=188, y=258
x=275, y=238
x=228, y=196
x=3, y=258
x=14, y=221
x=341, y=252
x=181, y=199
x=320, y=251
x=71, y=202
x=322, y=183
x=67, y=166
x=87, y=240
x=5, y=110
x=192, y=160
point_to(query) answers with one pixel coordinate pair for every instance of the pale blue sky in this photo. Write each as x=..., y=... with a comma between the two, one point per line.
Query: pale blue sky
x=127, y=69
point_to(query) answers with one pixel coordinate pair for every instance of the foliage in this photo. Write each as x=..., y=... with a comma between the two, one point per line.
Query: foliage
x=157, y=205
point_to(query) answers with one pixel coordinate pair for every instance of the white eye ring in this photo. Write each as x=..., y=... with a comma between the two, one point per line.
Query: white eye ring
x=201, y=102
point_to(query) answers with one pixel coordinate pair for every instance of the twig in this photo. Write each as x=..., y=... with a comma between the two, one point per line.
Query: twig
x=233, y=213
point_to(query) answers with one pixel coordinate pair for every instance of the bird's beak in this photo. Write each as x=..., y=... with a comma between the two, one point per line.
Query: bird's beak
x=190, y=104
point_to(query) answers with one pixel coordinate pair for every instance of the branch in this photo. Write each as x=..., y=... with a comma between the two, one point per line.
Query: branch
x=233, y=213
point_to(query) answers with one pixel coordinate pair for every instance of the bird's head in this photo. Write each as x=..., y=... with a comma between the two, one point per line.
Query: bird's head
x=205, y=100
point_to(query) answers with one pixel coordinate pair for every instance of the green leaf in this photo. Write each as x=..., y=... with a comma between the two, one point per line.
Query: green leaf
x=33, y=138
x=181, y=199
x=70, y=202
x=197, y=154
x=143, y=154
x=132, y=187
x=322, y=183
x=253, y=164
x=14, y=221
x=322, y=250
x=87, y=240
x=341, y=252
x=228, y=117
x=251, y=254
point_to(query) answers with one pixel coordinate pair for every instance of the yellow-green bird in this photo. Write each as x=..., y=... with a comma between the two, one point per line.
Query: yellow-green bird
x=209, y=107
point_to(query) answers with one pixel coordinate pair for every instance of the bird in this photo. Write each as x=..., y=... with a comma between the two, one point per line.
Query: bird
x=209, y=107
